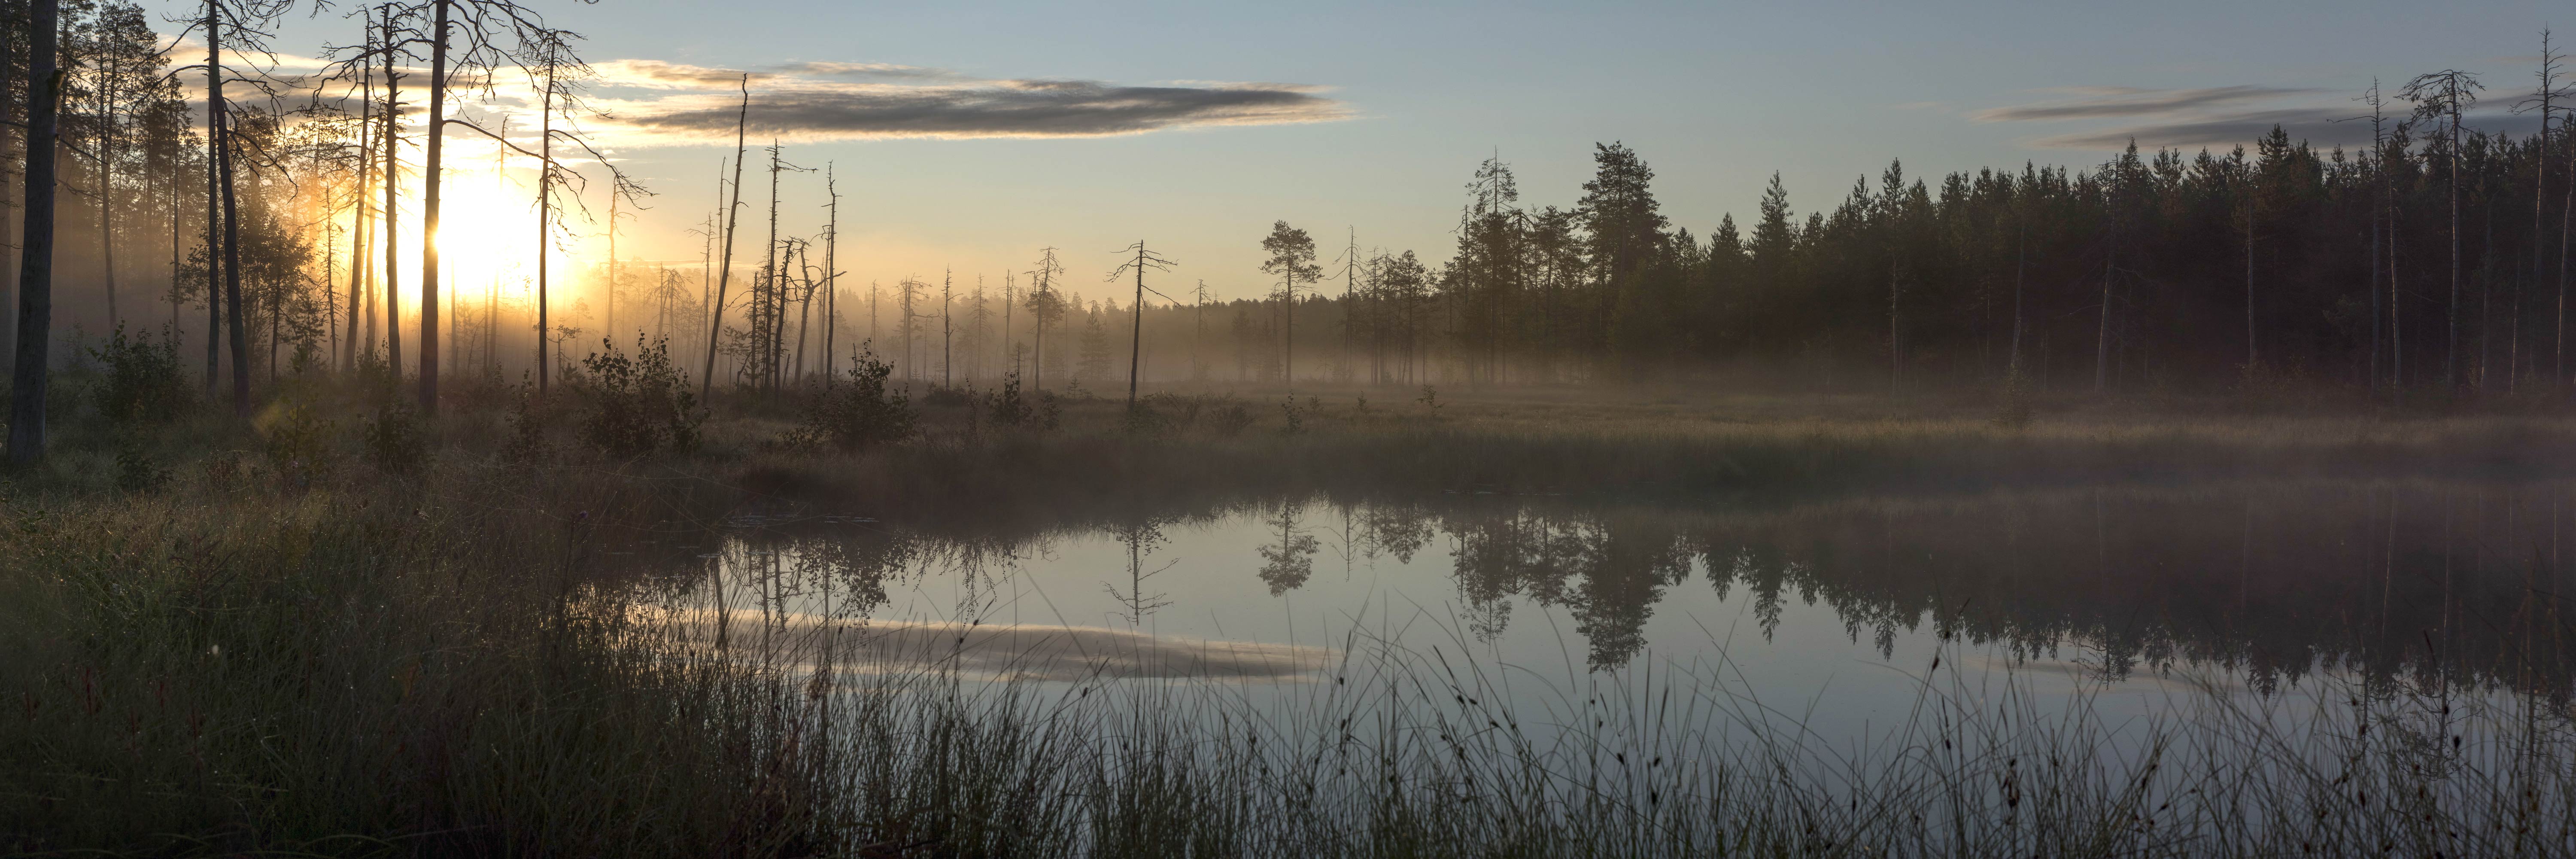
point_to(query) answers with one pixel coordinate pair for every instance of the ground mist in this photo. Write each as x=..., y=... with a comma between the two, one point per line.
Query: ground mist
x=311, y=636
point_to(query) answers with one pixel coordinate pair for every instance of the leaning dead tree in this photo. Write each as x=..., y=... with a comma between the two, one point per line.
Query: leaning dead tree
x=724, y=271
x=1139, y=261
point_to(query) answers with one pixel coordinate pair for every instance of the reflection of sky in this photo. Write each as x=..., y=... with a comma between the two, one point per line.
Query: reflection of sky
x=1060, y=611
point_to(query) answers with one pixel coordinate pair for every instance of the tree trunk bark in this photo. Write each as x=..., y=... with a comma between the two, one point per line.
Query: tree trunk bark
x=429, y=248
x=28, y=376
x=232, y=277
x=724, y=276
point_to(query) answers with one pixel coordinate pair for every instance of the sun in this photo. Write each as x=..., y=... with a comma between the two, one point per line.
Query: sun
x=488, y=231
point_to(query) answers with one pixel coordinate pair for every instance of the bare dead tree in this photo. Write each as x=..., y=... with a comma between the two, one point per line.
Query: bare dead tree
x=2544, y=100
x=1139, y=260
x=733, y=218
x=494, y=33
x=2442, y=96
x=947, y=296
x=831, y=274
x=1043, y=306
x=560, y=76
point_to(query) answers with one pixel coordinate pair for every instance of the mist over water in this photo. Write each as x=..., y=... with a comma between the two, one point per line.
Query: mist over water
x=1833, y=621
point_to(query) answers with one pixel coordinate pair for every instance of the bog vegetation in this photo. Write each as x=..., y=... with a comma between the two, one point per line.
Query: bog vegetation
x=306, y=556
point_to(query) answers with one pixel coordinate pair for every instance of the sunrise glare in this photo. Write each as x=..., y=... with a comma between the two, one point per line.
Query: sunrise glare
x=790, y=428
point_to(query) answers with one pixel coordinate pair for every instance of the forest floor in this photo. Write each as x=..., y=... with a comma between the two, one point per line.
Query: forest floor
x=335, y=629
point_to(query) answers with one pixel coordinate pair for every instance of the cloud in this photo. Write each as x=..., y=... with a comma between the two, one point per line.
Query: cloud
x=2214, y=117
x=2320, y=126
x=656, y=74
x=841, y=101
x=2312, y=124
x=862, y=70
x=2103, y=102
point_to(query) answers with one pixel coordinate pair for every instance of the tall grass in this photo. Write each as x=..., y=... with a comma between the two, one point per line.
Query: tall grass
x=314, y=656
x=1391, y=752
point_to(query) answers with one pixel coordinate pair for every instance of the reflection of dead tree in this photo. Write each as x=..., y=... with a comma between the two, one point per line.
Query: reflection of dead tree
x=1291, y=561
x=1142, y=537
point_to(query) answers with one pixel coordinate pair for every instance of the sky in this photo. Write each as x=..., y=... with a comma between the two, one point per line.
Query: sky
x=969, y=136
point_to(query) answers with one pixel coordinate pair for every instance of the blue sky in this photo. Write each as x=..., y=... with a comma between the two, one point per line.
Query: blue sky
x=1715, y=96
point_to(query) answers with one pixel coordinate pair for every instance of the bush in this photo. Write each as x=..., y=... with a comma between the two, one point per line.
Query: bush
x=527, y=444
x=637, y=405
x=1008, y=407
x=1230, y=419
x=860, y=414
x=137, y=471
x=942, y=395
x=393, y=439
x=298, y=439
x=143, y=383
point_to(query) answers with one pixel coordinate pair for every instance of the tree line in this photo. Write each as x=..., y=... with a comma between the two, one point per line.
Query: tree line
x=266, y=218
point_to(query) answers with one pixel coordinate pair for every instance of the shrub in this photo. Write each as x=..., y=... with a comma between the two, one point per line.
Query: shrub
x=942, y=395
x=137, y=471
x=860, y=414
x=527, y=444
x=1157, y=413
x=637, y=405
x=298, y=439
x=1050, y=411
x=376, y=380
x=1295, y=414
x=1008, y=407
x=143, y=383
x=393, y=439
x=1230, y=419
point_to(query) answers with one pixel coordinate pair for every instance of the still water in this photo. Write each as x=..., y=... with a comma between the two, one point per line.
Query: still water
x=1834, y=620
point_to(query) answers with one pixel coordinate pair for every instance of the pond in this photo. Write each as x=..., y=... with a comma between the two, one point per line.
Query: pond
x=1835, y=620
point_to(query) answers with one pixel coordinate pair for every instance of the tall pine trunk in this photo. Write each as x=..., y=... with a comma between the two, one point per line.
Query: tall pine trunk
x=392, y=154
x=358, y=258
x=8, y=140
x=429, y=248
x=232, y=276
x=545, y=212
x=36, y=260
x=214, y=197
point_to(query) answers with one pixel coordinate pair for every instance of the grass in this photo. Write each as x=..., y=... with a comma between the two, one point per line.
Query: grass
x=289, y=647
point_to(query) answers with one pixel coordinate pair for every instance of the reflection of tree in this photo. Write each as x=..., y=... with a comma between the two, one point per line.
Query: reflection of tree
x=1398, y=531
x=1607, y=572
x=2312, y=577
x=1289, y=562
x=2367, y=578
x=1142, y=535
x=857, y=562
x=1621, y=572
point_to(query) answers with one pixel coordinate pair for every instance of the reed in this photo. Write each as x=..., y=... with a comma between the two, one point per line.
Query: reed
x=319, y=656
